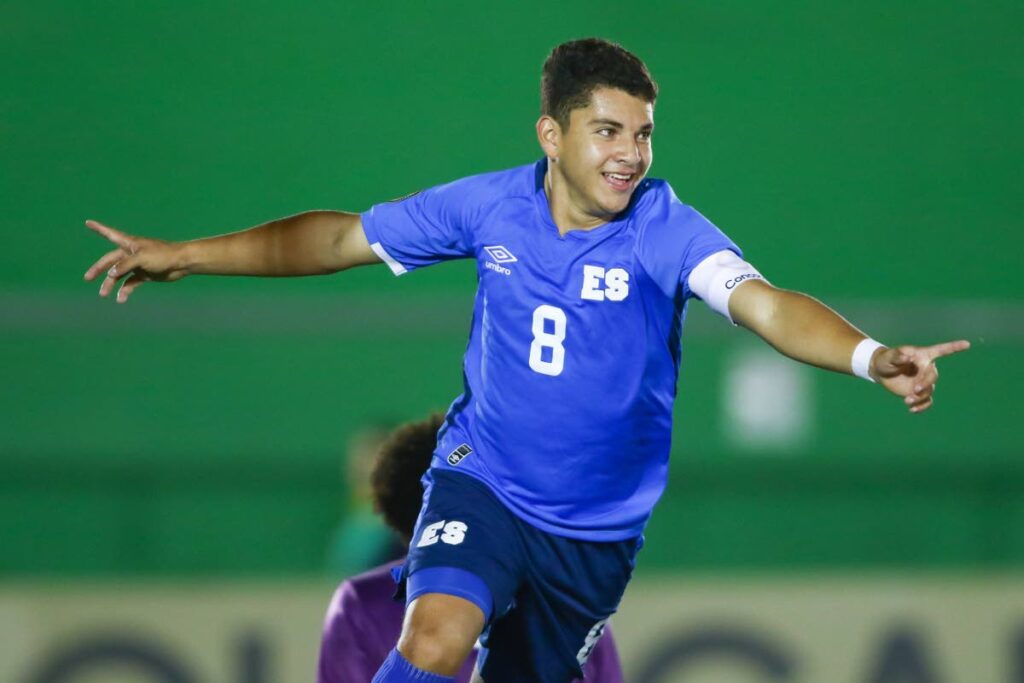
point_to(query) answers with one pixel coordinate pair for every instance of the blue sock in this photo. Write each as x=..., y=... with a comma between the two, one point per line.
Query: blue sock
x=397, y=669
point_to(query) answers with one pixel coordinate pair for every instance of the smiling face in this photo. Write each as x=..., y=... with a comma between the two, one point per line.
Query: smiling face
x=597, y=161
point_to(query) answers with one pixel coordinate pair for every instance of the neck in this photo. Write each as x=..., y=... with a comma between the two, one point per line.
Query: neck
x=566, y=212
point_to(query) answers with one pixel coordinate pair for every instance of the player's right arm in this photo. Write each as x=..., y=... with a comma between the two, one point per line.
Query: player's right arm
x=311, y=243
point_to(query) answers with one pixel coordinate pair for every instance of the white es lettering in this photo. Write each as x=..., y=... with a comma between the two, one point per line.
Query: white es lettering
x=599, y=285
x=454, y=533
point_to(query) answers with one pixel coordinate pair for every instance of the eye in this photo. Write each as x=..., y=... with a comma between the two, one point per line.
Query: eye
x=606, y=132
x=644, y=136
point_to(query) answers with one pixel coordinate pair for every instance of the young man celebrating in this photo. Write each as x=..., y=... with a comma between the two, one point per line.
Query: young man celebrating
x=363, y=622
x=549, y=464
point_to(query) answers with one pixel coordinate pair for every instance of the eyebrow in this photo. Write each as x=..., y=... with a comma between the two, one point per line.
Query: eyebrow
x=616, y=124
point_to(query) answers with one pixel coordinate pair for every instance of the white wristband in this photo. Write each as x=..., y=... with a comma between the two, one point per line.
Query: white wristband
x=862, y=357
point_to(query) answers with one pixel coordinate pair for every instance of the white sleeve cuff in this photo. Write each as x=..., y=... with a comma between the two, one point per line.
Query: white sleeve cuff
x=716, y=277
x=396, y=267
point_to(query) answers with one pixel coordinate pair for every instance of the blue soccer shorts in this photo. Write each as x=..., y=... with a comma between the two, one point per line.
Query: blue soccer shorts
x=546, y=597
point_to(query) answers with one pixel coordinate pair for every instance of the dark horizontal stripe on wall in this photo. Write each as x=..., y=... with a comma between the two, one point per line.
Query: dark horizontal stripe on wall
x=356, y=317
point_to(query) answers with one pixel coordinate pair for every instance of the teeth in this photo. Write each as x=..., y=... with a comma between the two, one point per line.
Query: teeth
x=619, y=176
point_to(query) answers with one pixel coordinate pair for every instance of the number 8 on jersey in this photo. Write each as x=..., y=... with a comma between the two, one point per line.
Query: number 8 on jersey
x=542, y=339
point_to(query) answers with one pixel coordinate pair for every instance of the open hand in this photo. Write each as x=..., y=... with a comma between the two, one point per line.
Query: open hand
x=139, y=259
x=910, y=372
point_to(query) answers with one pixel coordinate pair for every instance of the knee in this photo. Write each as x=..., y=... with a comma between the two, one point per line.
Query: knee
x=432, y=653
x=439, y=633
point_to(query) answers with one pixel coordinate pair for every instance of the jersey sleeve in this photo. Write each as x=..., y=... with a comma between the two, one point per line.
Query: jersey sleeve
x=677, y=239
x=424, y=228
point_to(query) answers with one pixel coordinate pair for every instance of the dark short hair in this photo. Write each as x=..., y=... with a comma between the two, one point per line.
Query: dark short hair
x=397, y=467
x=574, y=69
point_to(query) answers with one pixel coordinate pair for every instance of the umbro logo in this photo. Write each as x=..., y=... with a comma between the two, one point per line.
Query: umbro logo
x=500, y=254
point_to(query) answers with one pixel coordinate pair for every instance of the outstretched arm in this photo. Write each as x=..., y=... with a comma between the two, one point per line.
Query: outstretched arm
x=807, y=330
x=311, y=243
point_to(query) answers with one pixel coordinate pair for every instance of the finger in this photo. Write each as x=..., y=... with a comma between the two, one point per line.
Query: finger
x=916, y=398
x=947, y=349
x=128, y=287
x=928, y=376
x=899, y=358
x=123, y=267
x=117, y=271
x=920, y=394
x=900, y=362
x=116, y=236
x=107, y=260
x=922, y=407
x=886, y=363
x=107, y=286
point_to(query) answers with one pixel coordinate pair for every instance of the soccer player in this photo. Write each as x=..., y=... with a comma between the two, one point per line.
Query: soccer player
x=549, y=464
x=363, y=621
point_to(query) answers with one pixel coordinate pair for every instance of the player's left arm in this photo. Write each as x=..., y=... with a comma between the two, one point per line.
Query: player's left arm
x=807, y=330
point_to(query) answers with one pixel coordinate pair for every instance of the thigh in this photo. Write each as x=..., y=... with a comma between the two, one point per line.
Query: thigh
x=571, y=590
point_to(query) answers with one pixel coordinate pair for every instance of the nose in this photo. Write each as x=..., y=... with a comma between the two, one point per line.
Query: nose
x=628, y=152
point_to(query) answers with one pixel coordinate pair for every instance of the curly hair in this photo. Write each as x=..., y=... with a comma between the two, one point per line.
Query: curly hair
x=574, y=69
x=395, y=474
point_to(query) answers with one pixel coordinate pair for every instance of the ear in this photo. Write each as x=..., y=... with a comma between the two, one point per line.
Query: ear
x=549, y=135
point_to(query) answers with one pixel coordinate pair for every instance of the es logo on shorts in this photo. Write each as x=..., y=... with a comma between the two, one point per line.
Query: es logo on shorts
x=456, y=456
x=452, y=533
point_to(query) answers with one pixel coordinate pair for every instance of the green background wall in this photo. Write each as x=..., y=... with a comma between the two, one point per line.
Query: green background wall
x=868, y=153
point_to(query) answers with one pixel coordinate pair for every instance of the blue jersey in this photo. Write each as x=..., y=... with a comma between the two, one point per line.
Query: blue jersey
x=570, y=372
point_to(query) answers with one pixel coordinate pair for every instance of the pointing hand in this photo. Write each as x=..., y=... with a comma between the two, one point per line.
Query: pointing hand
x=910, y=372
x=138, y=259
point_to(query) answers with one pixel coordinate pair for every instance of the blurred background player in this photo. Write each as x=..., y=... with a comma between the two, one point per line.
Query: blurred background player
x=363, y=621
x=361, y=540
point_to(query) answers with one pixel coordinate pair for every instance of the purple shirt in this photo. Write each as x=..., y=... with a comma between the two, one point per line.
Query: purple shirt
x=363, y=623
